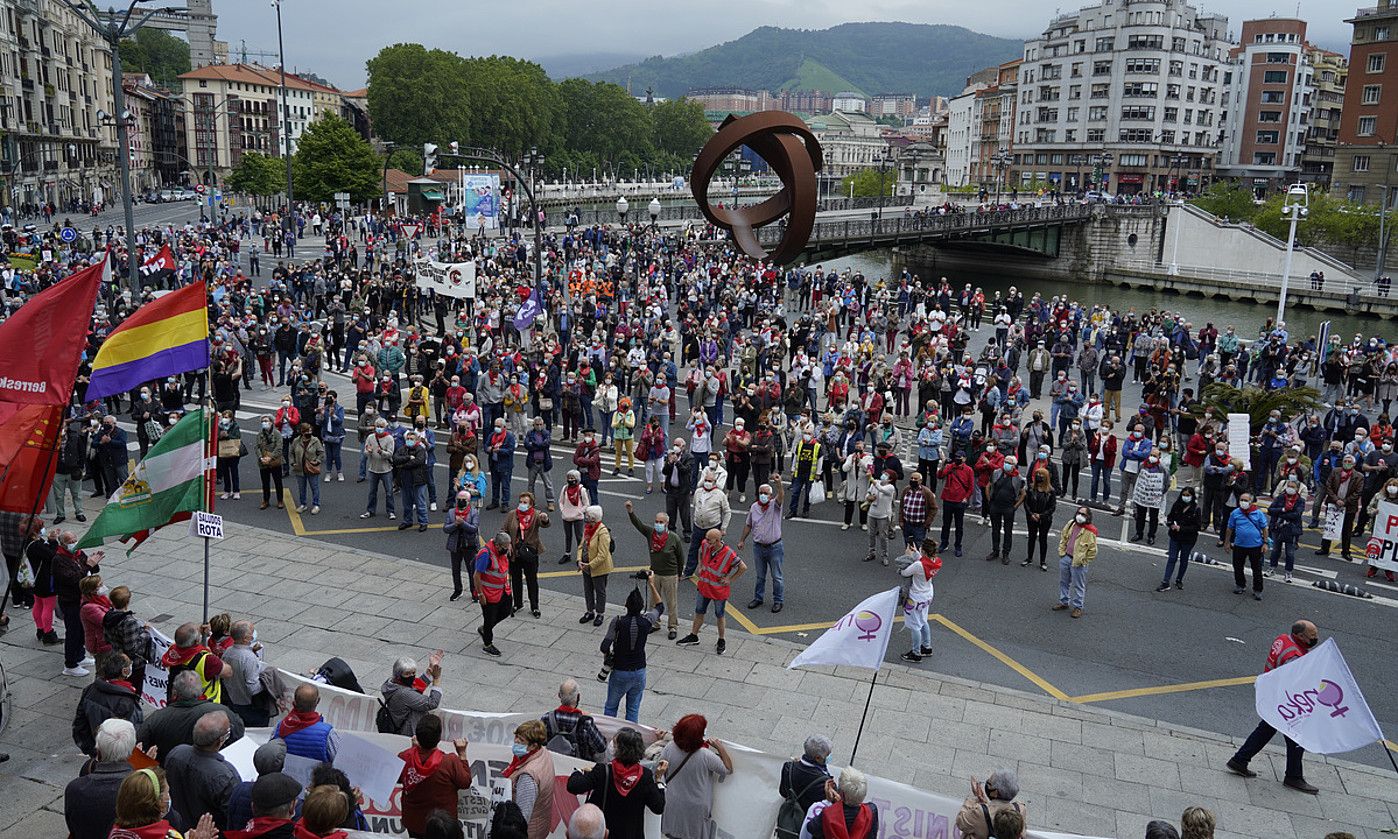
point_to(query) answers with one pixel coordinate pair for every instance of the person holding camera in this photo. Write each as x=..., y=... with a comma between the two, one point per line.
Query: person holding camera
x=666, y=558
x=624, y=648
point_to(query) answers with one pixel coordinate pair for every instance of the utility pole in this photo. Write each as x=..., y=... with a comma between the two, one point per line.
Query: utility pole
x=117, y=28
x=286, y=120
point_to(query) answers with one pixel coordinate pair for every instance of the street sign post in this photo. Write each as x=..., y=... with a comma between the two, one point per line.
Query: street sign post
x=68, y=234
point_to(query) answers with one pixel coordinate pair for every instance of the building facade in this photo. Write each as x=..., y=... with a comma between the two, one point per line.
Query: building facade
x=55, y=75
x=849, y=142
x=1266, y=107
x=901, y=105
x=851, y=102
x=958, y=134
x=1365, y=156
x=232, y=109
x=1328, y=71
x=1140, y=81
x=993, y=117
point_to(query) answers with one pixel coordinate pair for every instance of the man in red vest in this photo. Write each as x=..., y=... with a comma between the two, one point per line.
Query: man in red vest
x=719, y=566
x=492, y=577
x=1288, y=647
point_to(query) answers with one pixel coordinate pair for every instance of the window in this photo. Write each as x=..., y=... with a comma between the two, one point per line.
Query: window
x=1172, y=114
x=1274, y=77
x=1143, y=65
x=1145, y=42
x=1140, y=89
x=1077, y=70
x=1380, y=33
x=1172, y=91
x=1177, y=44
x=1264, y=158
x=1070, y=136
x=1097, y=113
x=1269, y=116
x=1101, y=91
x=1136, y=135
x=1096, y=135
x=1101, y=68
x=1138, y=112
x=1367, y=126
x=1375, y=63
x=1073, y=114
x=1167, y=137
x=1132, y=160
x=1278, y=58
x=1371, y=94
x=1105, y=45
x=1273, y=97
x=1361, y=163
x=1267, y=138
x=1075, y=91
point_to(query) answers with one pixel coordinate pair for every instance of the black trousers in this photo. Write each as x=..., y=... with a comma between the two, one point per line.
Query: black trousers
x=1001, y=521
x=493, y=613
x=1140, y=516
x=525, y=570
x=271, y=475
x=953, y=511
x=1248, y=556
x=73, y=650
x=1261, y=736
x=1038, y=530
x=458, y=559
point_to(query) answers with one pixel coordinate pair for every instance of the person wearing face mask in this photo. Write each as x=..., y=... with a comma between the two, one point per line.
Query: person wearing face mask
x=500, y=449
x=68, y=474
x=666, y=560
x=307, y=456
x=145, y=415
x=879, y=499
x=379, y=448
x=917, y=508
x=1245, y=536
x=595, y=564
x=1287, y=647
x=531, y=776
x=96, y=603
x=958, y=487
x=36, y=580
x=1218, y=470
x=711, y=510
x=1004, y=495
x=1388, y=494
x=523, y=524
x=231, y=449
x=1134, y=452
x=1148, y=496
x=1077, y=549
x=143, y=809
x=462, y=527
x=854, y=488
x=111, y=695
x=764, y=524
x=587, y=457
x=1342, y=493
x=720, y=567
x=286, y=420
x=1182, y=523
x=70, y=566
x=1378, y=466
x=1271, y=442
x=269, y=462
x=1286, y=518
x=410, y=466
x=109, y=441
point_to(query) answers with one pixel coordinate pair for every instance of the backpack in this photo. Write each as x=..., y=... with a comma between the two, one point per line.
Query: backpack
x=383, y=719
x=565, y=742
x=790, y=817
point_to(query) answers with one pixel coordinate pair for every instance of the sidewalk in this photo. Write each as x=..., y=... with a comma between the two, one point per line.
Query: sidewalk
x=1082, y=770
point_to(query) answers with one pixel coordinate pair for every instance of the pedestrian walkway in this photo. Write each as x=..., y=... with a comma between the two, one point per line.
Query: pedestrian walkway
x=1082, y=770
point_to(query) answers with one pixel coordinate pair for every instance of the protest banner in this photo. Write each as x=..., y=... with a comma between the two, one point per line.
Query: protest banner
x=745, y=804
x=1239, y=437
x=156, y=685
x=452, y=279
x=1332, y=526
x=1382, y=552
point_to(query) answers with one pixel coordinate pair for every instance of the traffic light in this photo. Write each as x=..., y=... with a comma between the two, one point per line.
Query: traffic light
x=429, y=158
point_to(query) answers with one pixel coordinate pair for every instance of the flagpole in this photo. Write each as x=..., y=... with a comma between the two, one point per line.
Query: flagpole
x=1383, y=744
x=863, y=717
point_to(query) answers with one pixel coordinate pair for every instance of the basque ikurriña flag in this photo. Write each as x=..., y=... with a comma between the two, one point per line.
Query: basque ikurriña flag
x=168, y=336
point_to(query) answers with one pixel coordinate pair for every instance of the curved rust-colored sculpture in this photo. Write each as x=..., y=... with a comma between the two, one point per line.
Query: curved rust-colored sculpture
x=793, y=152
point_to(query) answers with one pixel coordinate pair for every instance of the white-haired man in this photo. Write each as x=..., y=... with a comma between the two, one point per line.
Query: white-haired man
x=587, y=822
x=89, y=802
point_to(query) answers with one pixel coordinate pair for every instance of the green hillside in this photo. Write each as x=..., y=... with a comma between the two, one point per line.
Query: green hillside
x=871, y=57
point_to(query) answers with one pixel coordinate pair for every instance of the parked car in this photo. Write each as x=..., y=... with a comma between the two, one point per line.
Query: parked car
x=188, y=194
x=169, y=195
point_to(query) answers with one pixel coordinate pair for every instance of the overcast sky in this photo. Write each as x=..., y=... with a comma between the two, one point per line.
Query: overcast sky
x=335, y=37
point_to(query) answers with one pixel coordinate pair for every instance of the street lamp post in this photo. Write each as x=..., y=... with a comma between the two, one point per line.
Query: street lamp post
x=1382, y=255
x=885, y=160
x=1295, y=209
x=116, y=29
x=286, y=117
x=1107, y=160
x=1001, y=159
x=621, y=208
x=654, y=208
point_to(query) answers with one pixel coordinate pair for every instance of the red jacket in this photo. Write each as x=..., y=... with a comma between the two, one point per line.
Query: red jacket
x=1195, y=450
x=1103, y=446
x=958, y=480
x=986, y=465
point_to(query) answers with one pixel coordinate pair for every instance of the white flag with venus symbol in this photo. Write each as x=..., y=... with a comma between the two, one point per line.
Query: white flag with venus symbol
x=1315, y=701
x=858, y=639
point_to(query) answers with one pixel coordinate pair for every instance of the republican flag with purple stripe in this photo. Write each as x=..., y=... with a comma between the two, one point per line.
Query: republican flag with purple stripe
x=166, y=337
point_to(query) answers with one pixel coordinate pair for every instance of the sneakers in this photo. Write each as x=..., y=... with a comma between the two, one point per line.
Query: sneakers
x=490, y=650
x=432, y=506
x=327, y=479
x=340, y=476
x=672, y=634
x=82, y=517
x=958, y=551
x=315, y=509
x=720, y=646
x=300, y=508
x=911, y=657
x=366, y=515
x=88, y=661
x=1268, y=572
x=689, y=640
x=76, y=671
x=1286, y=577
x=392, y=516
x=925, y=651
x=1163, y=587
x=1043, y=566
x=1179, y=584
x=845, y=526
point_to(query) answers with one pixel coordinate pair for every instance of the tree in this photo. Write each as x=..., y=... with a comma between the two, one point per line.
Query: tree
x=869, y=183
x=258, y=174
x=331, y=157
x=1257, y=402
x=158, y=54
x=679, y=127
x=1226, y=199
x=514, y=105
x=417, y=95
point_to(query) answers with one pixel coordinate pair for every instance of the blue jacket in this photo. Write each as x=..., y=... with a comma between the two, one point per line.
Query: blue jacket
x=505, y=458
x=536, y=443
x=311, y=742
x=334, y=429
x=1137, y=450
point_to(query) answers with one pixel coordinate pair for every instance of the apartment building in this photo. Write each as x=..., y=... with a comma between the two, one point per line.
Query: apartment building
x=236, y=108
x=55, y=75
x=1269, y=91
x=1140, y=80
x=1365, y=157
x=1328, y=71
x=993, y=113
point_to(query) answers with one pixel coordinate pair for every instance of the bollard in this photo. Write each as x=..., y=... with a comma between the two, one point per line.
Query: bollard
x=1343, y=588
x=1203, y=558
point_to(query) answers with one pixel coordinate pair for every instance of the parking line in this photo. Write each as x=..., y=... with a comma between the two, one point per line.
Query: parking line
x=1042, y=683
x=1159, y=690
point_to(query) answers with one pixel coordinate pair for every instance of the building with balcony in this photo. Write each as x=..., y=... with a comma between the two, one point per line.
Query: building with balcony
x=1365, y=157
x=1141, y=81
x=232, y=109
x=900, y=105
x=1329, y=71
x=1269, y=92
x=55, y=75
x=993, y=118
x=849, y=142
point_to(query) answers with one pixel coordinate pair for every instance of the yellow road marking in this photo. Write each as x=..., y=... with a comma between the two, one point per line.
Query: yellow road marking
x=742, y=619
x=1042, y=683
x=575, y=572
x=296, y=525
x=1184, y=687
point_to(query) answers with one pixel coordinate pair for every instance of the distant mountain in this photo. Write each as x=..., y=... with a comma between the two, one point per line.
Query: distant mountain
x=869, y=57
x=572, y=65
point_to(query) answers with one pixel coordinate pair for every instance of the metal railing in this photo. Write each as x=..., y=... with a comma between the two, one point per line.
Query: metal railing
x=1298, y=285
x=915, y=228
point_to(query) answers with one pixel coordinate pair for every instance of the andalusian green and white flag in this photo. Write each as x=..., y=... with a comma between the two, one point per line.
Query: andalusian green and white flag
x=166, y=486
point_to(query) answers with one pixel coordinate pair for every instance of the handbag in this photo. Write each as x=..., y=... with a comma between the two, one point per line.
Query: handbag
x=25, y=575
x=545, y=403
x=309, y=466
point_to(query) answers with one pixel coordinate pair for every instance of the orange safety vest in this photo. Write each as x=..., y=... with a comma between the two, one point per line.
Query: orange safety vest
x=495, y=582
x=714, y=565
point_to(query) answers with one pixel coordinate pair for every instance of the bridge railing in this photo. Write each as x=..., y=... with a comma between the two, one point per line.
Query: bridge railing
x=1342, y=284
x=898, y=227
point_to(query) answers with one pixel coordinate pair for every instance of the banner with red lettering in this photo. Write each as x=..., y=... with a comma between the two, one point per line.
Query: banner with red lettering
x=1382, y=551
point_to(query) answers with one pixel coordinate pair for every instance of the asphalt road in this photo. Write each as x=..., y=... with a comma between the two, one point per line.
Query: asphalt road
x=1157, y=655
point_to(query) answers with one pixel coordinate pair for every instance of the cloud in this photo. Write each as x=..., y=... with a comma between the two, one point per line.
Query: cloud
x=335, y=37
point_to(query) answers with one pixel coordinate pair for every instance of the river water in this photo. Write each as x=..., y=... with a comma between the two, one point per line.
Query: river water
x=1247, y=317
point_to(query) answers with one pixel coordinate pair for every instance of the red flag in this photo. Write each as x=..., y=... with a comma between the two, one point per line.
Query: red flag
x=42, y=343
x=28, y=456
